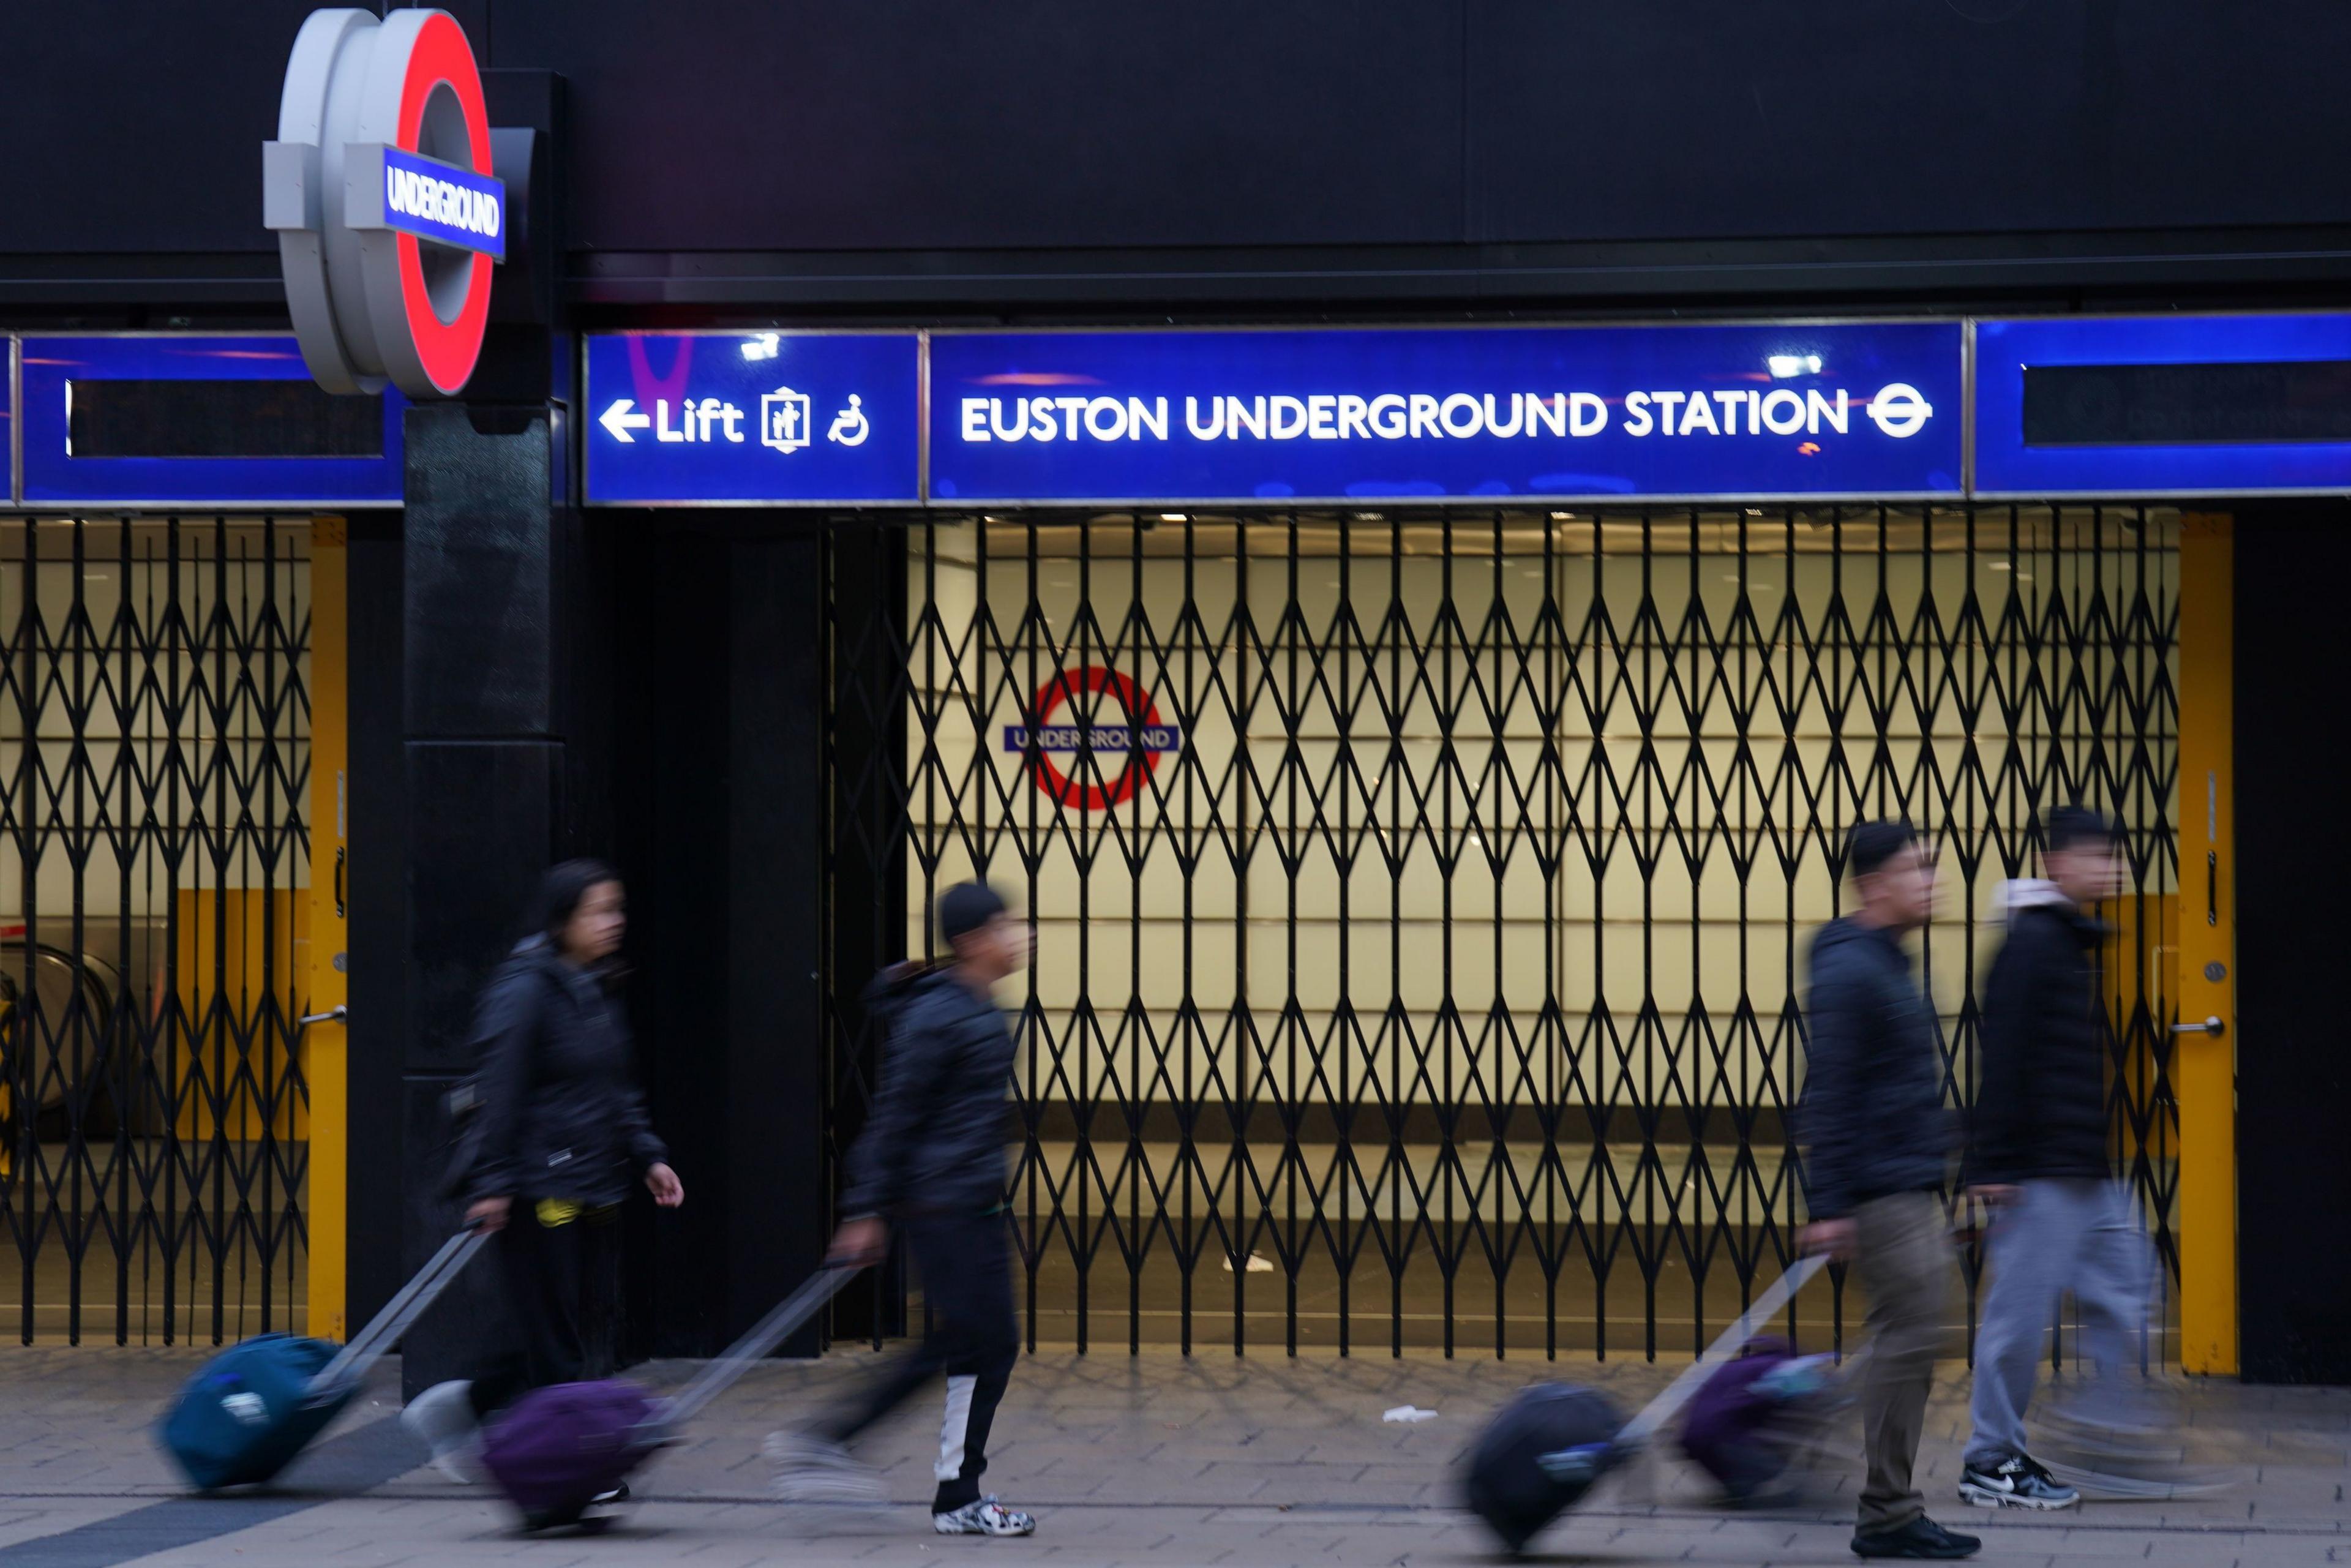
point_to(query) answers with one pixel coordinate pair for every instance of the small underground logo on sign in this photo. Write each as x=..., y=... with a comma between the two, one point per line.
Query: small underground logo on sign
x=1112, y=736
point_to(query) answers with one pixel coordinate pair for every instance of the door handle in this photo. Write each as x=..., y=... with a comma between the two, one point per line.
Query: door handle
x=2213, y=1027
x=336, y=1014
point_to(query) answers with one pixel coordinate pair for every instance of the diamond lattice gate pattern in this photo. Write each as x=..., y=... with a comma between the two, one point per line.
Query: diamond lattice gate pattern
x=1421, y=901
x=155, y=760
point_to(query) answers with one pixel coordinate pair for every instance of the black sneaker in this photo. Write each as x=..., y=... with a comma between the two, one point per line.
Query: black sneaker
x=2015, y=1482
x=1922, y=1537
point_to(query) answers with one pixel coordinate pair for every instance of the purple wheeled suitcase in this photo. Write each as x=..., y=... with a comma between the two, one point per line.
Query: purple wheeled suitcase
x=1750, y=1416
x=556, y=1450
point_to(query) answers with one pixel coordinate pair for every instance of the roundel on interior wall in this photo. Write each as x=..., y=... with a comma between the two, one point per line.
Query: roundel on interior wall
x=381, y=190
x=1106, y=726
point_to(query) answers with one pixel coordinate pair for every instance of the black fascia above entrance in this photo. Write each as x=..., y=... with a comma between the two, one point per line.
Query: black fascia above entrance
x=1720, y=277
x=1948, y=273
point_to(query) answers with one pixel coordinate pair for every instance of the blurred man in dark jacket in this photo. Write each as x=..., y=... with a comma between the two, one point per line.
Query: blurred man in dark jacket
x=2039, y=1159
x=931, y=1160
x=1880, y=1141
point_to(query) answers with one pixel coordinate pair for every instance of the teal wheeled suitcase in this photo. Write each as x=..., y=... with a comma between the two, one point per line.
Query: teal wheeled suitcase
x=251, y=1408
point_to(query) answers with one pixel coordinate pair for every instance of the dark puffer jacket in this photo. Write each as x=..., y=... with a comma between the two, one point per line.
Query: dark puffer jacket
x=2041, y=1104
x=561, y=1115
x=1873, y=1107
x=934, y=1143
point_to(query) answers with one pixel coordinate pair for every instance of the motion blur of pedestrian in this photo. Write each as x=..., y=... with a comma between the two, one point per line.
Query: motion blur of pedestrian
x=1879, y=1146
x=560, y=1138
x=931, y=1161
x=2061, y=1220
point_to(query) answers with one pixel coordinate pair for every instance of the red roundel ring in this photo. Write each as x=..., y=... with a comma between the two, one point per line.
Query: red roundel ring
x=1141, y=710
x=447, y=350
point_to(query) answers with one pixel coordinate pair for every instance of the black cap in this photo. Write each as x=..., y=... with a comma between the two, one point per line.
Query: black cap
x=2071, y=827
x=1872, y=844
x=965, y=907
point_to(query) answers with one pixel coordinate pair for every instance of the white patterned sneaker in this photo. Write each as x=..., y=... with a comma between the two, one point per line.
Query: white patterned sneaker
x=810, y=1470
x=986, y=1517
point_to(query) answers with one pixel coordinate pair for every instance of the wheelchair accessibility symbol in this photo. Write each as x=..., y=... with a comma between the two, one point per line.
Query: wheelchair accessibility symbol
x=849, y=426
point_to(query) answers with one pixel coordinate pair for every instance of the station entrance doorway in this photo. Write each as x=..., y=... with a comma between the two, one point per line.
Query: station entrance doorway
x=1422, y=898
x=158, y=700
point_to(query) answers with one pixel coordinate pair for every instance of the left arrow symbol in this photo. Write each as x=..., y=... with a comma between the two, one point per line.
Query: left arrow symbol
x=619, y=420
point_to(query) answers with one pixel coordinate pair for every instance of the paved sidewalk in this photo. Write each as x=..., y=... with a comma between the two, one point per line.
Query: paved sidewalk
x=1154, y=1459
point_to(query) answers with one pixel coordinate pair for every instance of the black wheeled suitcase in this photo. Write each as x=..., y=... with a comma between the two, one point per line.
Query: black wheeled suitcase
x=251, y=1408
x=1552, y=1443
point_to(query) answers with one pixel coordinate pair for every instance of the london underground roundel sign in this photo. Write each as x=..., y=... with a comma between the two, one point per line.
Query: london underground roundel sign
x=1110, y=761
x=381, y=191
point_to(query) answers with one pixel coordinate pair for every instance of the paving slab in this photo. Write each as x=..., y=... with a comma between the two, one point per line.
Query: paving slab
x=1152, y=1458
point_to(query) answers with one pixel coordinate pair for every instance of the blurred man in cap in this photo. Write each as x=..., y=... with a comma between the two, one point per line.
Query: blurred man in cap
x=931, y=1161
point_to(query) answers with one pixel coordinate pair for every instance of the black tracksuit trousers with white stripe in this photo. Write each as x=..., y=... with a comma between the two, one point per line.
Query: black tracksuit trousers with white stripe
x=967, y=1274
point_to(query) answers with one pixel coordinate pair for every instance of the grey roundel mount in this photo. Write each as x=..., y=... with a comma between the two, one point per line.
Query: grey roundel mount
x=381, y=191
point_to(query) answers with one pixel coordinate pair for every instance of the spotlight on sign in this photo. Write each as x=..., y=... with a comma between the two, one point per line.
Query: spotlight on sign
x=1784, y=366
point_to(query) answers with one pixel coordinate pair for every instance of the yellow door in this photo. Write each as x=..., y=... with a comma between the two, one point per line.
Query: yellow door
x=2204, y=1063
x=325, y=1042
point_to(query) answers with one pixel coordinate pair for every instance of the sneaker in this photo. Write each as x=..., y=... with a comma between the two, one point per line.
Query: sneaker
x=809, y=1469
x=2015, y=1482
x=1921, y=1538
x=441, y=1418
x=985, y=1517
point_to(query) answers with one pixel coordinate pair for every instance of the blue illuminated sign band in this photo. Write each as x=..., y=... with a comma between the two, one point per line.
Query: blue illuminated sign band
x=1553, y=413
x=2065, y=407
x=50, y=475
x=754, y=418
x=2176, y=406
x=444, y=203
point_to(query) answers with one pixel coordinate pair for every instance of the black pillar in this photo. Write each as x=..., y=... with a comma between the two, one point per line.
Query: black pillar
x=2293, y=859
x=464, y=807
x=531, y=682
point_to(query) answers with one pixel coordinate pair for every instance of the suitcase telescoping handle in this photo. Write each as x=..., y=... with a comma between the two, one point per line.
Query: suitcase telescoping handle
x=1683, y=1389
x=765, y=1336
x=398, y=1315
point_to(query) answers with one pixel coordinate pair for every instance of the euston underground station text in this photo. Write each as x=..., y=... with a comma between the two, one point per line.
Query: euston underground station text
x=1897, y=409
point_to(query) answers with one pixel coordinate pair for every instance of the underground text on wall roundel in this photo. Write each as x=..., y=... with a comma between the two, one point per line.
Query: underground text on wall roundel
x=380, y=188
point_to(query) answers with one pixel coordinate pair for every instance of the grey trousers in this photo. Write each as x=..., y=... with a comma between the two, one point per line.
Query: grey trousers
x=1904, y=1256
x=2079, y=1235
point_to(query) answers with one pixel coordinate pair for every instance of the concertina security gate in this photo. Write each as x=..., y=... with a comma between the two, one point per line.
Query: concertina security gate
x=1421, y=900
x=155, y=766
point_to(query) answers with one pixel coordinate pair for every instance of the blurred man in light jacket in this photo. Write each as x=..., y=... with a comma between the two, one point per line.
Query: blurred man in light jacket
x=2040, y=1159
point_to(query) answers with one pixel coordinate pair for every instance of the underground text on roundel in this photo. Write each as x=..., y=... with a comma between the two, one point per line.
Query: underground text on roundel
x=441, y=202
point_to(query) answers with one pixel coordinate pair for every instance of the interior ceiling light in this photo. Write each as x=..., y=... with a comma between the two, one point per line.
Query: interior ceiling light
x=1782, y=366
